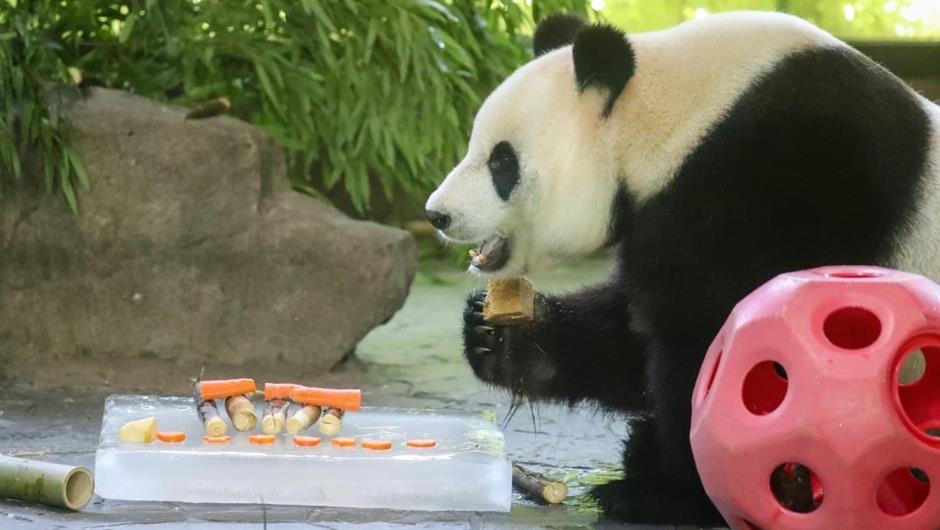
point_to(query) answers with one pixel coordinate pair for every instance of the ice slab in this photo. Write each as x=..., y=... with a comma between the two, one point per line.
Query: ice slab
x=467, y=471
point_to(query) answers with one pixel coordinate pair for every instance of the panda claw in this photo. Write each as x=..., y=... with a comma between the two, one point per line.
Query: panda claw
x=484, y=329
x=479, y=350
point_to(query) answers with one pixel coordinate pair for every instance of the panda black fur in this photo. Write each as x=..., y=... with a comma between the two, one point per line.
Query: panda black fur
x=714, y=155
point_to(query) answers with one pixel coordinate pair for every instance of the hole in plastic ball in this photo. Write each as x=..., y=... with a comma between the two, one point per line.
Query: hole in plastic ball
x=764, y=388
x=852, y=328
x=913, y=367
x=917, y=386
x=904, y=490
x=796, y=487
x=854, y=274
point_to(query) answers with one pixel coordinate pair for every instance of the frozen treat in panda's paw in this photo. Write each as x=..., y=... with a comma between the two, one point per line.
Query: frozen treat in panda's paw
x=509, y=301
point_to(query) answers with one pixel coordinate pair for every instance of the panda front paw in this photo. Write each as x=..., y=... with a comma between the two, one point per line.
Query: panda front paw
x=484, y=342
x=502, y=355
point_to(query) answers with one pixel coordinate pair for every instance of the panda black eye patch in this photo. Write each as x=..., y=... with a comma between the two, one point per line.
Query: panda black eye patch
x=504, y=167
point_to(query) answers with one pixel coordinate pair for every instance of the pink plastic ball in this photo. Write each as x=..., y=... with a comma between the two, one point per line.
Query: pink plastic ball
x=818, y=404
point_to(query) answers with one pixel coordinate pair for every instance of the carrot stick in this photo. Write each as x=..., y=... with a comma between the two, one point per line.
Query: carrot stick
x=209, y=439
x=343, y=399
x=344, y=442
x=222, y=388
x=274, y=391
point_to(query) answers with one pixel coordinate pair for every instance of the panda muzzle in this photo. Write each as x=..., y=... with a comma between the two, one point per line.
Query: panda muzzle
x=492, y=254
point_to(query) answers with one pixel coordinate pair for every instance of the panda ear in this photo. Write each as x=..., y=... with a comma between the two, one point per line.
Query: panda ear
x=603, y=58
x=555, y=31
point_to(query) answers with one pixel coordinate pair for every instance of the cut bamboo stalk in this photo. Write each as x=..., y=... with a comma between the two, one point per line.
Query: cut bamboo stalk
x=242, y=412
x=210, y=108
x=303, y=419
x=510, y=301
x=209, y=414
x=52, y=484
x=331, y=422
x=275, y=415
x=538, y=486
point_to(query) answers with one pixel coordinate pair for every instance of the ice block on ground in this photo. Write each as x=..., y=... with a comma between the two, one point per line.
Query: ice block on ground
x=467, y=470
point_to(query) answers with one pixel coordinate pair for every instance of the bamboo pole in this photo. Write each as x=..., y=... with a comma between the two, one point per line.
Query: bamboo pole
x=538, y=486
x=53, y=484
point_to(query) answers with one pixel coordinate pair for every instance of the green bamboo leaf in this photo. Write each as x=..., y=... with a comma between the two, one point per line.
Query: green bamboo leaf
x=371, y=35
x=317, y=9
x=48, y=174
x=66, y=184
x=77, y=166
x=271, y=94
x=440, y=8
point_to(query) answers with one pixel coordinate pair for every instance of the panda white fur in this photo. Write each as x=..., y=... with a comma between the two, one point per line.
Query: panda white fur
x=714, y=155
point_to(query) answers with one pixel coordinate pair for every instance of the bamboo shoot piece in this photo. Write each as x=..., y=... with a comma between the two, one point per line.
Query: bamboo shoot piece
x=242, y=412
x=210, y=108
x=139, y=431
x=538, y=486
x=209, y=414
x=331, y=422
x=303, y=419
x=510, y=301
x=51, y=484
x=275, y=416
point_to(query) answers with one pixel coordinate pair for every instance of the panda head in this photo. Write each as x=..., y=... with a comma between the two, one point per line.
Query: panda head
x=539, y=182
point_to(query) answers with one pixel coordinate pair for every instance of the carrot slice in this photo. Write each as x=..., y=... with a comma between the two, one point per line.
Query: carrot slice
x=328, y=398
x=421, y=444
x=225, y=387
x=377, y=445
x=171, y=436
x=344, y=442
x=261, y=439
x=216, y=439
x=306, y=441
x=278, y=390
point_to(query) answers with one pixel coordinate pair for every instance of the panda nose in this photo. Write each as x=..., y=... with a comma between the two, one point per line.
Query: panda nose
x=438, y=220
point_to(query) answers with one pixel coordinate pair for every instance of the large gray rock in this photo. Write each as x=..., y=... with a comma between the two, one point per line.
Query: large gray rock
x=190, y=248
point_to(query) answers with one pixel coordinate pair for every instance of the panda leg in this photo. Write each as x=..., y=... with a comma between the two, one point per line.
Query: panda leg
x=579, y=347
x=646, y=495
x=661, y=484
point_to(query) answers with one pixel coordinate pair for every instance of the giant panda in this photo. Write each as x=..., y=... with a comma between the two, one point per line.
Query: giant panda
x=713, y=156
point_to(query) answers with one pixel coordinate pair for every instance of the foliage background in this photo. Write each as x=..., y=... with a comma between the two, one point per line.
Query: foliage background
x=372, y=99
